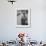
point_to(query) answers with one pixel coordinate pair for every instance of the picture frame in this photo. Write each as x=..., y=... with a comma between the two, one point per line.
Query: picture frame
x=24, y=13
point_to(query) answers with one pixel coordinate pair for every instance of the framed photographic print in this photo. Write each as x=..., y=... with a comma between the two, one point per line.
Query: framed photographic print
x=23, y=17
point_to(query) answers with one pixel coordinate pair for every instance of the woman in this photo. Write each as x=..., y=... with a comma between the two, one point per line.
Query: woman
x=24, y=20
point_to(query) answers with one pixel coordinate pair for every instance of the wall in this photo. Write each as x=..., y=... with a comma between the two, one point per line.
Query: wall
x=8, y=28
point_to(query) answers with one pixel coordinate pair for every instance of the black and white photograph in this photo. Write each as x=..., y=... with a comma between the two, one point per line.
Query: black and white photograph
x=23, y=17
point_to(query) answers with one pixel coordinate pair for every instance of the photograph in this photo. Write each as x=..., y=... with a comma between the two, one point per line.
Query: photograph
x=23, y=17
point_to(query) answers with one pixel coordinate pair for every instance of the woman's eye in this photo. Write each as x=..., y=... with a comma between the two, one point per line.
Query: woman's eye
x=18, y=14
